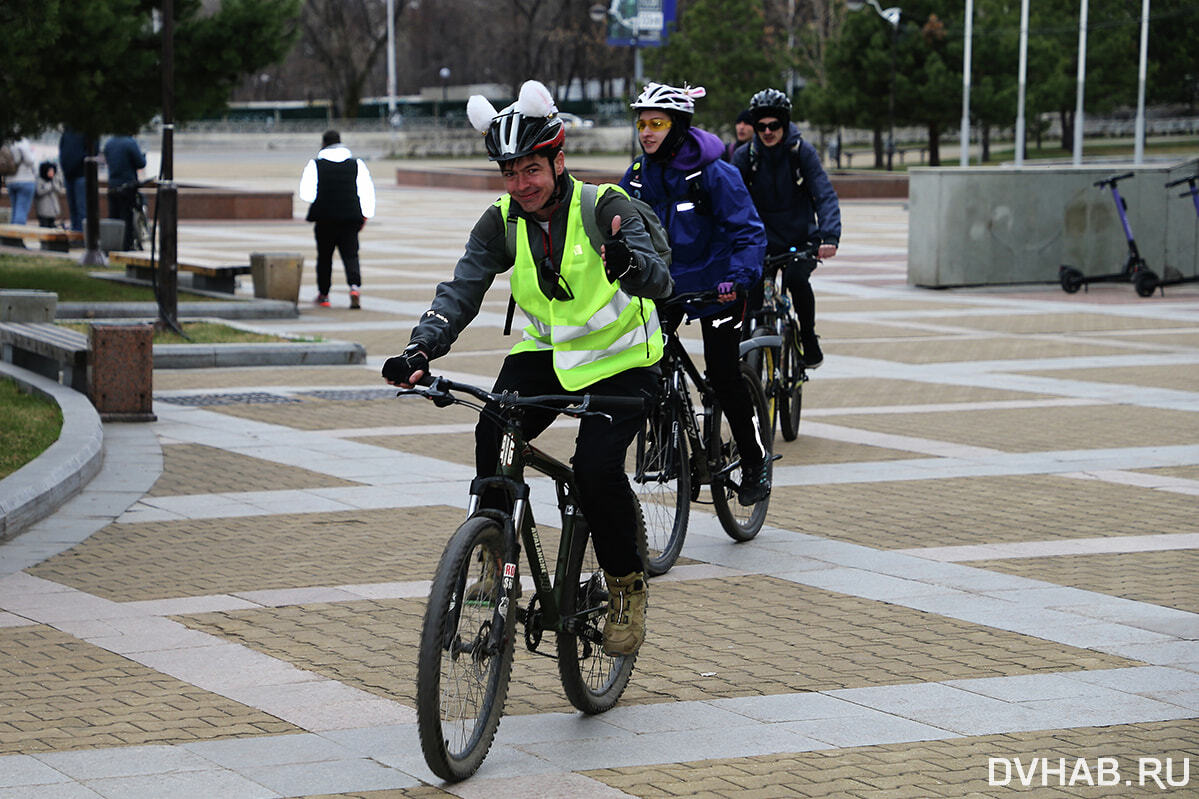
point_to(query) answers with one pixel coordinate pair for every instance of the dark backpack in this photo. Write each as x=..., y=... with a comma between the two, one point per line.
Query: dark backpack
x=751, y=171
x=8, y=161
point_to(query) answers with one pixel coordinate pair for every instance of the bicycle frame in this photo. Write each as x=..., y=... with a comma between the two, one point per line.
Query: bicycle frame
x=520, y=528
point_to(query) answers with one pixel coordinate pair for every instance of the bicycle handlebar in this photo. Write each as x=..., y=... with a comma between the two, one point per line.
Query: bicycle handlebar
x=1113, y=180
x=439, y=390
x=708, y=297
x=808, y=253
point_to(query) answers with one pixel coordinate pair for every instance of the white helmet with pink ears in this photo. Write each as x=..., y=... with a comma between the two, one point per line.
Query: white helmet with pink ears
x=669, y=98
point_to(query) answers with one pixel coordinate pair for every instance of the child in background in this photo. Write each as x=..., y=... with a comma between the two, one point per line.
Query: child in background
x=49, y=186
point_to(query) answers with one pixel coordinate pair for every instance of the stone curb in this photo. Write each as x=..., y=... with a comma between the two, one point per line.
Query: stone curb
x=239, y=309
x=41, y=486
x=301, y=353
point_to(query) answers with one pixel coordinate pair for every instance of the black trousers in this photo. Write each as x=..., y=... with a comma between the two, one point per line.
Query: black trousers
x=797, y=281
x=120, y=206
x=722, y=361
x=342, y=235
x=607, y=500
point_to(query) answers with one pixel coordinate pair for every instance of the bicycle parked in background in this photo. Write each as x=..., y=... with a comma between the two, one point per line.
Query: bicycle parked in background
x=469, y=631
x=685, y=446
x=773, y=350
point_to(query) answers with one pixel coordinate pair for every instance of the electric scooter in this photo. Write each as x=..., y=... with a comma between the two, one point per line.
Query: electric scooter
x=1072, y=279
x=1146, y=282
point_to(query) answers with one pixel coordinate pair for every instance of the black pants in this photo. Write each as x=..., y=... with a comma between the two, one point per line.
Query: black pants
x=342, y=235
x=120, y=206
x=796, y=280
x=722, y=361
x=605, y=496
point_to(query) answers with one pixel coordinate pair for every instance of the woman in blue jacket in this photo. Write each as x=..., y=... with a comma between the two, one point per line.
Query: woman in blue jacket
x=717, y=242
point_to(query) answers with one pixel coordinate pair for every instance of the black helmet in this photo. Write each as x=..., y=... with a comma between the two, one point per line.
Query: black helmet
x=530, y=125
x=770, y=103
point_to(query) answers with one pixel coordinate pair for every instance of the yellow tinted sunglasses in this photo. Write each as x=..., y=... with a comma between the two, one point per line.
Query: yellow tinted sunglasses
x=655, y=124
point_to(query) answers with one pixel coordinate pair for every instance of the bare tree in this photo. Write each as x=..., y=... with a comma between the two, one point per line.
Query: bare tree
x=345, y=38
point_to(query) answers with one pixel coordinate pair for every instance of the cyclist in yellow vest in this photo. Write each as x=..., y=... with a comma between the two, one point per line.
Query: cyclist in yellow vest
x=593, y=327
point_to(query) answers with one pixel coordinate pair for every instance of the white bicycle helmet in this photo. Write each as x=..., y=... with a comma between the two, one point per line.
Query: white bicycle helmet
x=669, y=98
x=530, y=125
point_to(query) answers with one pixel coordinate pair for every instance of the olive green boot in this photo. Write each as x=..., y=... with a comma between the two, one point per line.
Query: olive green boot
x=624, y=628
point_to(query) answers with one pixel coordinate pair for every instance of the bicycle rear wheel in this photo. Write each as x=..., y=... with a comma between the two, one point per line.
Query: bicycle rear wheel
x=661, y=478
x=462, y=673
x=791, y=385
x=740, y=522
x=592, y=681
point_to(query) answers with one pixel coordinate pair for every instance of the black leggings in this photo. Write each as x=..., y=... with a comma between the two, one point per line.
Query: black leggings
x=607, y=500
x=722, y=361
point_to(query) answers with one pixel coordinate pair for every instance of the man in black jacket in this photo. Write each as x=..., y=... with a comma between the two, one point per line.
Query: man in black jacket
x=342, y=194
x=795, y=199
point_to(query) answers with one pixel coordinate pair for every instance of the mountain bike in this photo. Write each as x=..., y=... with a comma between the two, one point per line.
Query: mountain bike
x=685, y=446
x=1147, y=281
x=1072, y=278
x=468, y=637
x=773, y=350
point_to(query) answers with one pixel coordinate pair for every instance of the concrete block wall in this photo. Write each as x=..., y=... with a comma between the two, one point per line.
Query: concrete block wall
x=982, y=226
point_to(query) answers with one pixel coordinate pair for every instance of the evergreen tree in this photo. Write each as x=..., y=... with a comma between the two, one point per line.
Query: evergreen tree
x=95, y=66
x=726, y=47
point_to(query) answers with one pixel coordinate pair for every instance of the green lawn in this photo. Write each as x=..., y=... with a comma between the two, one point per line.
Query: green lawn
x=203, y=333
x=70, y=281
x=28, y=425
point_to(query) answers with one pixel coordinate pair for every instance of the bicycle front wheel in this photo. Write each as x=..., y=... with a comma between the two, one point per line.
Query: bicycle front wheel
x=592, y=680
x=740, y=522
x=661, y=479
x=464, y=663
x=764, y=361
x=791, y=386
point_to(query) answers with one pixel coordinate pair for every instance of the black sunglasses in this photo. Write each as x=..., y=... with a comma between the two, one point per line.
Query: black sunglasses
x=553, y=285
x=762, y=127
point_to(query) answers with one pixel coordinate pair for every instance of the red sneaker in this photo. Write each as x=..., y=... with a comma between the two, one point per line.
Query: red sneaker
x=322, y=301
x=355, y=298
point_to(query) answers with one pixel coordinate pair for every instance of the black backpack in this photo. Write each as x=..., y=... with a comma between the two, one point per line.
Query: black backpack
x=751, y=169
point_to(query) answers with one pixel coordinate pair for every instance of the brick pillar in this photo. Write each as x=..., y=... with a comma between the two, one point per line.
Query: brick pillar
x=121, y=381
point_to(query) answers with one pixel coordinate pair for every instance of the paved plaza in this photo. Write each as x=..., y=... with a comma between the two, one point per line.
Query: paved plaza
x=978, y=576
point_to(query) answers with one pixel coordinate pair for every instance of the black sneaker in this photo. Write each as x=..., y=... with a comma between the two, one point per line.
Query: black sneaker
x=810, y=344
x=755, y=484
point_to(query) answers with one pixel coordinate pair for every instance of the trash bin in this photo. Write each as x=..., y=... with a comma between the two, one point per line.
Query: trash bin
x=121, y=376
x=112, y=234
x=277, y=275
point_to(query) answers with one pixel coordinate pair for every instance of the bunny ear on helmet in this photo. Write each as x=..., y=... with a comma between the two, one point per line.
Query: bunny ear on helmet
x=696, y=92
x=480, y=112
x=535, y=100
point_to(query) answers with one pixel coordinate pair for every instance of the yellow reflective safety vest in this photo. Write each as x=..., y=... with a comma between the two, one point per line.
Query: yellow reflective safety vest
x=602, y=331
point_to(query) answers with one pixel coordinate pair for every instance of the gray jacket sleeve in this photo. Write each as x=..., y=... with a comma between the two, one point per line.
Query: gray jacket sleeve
x=458, y=300
x=652, y=277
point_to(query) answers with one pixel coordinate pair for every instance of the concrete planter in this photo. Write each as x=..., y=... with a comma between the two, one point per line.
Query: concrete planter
x=277, y=275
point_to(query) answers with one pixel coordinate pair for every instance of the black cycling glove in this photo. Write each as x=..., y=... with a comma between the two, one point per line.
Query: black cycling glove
x=400, y=368
x=618, y=258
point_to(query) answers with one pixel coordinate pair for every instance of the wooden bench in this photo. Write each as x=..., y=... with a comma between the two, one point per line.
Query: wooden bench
x=47, y=349
x=51, y=238
x=205, y=276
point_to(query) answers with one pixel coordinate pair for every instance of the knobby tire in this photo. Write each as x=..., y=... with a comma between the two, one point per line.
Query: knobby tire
x=460, y=686
x=740, y=523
